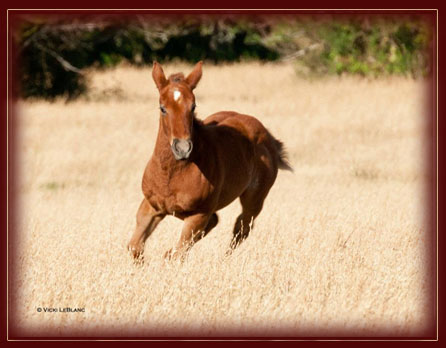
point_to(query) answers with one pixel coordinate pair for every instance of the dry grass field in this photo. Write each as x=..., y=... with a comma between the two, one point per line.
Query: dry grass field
x=339, y=248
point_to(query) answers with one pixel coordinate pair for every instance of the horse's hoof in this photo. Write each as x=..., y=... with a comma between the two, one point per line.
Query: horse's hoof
x=174, y=255
x=136, y=253
x=170, y=255
x=167, y=255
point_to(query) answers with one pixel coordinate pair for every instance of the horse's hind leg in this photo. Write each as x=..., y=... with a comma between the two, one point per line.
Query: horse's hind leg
x=253, y=197
x=252, y=203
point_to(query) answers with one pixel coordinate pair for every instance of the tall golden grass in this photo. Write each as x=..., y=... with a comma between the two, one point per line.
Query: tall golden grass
x=339, y=248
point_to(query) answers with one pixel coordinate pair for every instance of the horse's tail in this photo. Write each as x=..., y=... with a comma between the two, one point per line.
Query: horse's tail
x=283, y=156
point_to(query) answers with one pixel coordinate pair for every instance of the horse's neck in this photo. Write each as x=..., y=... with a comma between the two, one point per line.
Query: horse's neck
x=163, y=153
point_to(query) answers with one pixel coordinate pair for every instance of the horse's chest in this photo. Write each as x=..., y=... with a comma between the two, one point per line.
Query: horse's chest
x=178, y=193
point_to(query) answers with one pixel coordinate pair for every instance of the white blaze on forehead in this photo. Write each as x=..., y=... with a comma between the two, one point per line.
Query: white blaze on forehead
x=176, y=95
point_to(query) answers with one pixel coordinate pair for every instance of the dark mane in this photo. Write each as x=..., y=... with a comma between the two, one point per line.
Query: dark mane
x=197, y=122
x=178, y=77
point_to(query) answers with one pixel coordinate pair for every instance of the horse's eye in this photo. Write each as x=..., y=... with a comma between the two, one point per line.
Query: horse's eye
x=193, y=107
x=163, y=110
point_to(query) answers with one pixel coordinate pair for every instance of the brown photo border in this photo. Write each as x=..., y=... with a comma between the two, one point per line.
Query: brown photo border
x=8, y=173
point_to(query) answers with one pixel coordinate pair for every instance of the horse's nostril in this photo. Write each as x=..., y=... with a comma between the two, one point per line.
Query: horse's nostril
x=181, y=148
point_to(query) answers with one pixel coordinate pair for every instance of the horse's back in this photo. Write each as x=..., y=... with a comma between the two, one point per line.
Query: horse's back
x=248, y=126
x=266, y=150
x=256, y=132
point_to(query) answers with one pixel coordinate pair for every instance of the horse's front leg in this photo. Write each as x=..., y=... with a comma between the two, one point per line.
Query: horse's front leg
x=194, y=228
x=146, y=221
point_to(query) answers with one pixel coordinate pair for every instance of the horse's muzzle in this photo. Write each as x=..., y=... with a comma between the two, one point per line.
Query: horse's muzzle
x=181, y=148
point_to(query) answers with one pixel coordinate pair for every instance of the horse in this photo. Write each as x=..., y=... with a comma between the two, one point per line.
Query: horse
x=199, y=167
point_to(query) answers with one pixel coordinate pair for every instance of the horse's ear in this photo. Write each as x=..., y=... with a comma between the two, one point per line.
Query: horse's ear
x=195, y=76
x=158, y=75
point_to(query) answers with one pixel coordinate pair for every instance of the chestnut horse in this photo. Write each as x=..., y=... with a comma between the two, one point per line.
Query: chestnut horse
x=199, y=167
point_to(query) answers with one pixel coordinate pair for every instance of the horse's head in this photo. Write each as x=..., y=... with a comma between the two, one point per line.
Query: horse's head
x=177, y=105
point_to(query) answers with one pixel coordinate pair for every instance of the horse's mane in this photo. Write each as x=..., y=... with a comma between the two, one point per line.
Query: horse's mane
x=197, y=122
x=178, y=77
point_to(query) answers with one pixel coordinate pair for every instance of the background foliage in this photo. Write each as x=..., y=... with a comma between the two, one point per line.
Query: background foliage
x=53, y=53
